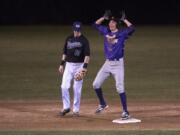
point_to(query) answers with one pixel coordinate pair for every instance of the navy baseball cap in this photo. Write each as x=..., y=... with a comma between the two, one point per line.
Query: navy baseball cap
x=77, y=26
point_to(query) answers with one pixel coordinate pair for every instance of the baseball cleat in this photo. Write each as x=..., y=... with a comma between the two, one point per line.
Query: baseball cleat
x=75, y=114
x=101, y=108
x=125, y=115
x=64, y=112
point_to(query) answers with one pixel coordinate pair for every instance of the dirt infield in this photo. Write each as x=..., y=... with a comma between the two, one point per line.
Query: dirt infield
x=43, y=115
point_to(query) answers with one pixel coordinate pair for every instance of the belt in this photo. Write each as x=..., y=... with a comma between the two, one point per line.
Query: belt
x=117, y=59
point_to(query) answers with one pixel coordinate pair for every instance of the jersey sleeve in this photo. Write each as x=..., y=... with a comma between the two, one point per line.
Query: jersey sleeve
x=86, y=48
x=102, y=29
x=128, y=31
x=65, y=47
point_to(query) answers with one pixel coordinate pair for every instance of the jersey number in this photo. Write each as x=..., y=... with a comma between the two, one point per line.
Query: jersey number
x=77, y=52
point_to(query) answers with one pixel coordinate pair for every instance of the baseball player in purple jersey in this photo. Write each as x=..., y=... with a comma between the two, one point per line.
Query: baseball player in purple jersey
x=114, y=39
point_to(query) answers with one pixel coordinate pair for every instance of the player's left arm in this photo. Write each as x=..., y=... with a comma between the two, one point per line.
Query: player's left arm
x=130, y=28
x=82, y=73
x=86, y=62
x=127, y=22
x=87, y=55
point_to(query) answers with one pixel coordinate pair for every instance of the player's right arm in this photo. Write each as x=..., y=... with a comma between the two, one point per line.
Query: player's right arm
x=106, y=16
x=99, y=21
x=63, y=59
x=98, y=25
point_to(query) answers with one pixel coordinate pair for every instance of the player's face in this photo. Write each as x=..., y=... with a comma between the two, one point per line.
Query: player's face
x=113, y=25
x=77, y=33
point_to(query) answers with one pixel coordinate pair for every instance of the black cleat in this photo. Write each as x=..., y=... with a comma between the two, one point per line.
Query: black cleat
x=64, y=112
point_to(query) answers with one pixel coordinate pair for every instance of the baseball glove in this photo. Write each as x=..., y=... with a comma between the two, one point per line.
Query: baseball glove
x=123, y=16
x=80, y=75
x=107, y=14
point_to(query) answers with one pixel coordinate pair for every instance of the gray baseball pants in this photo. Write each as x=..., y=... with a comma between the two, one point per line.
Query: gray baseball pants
x=114, y=68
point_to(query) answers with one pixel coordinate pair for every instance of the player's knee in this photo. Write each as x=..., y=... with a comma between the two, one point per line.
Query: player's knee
x=120, y=89
x=65, y=87
x=96, y=85
x=78, y=92
x=77, y=84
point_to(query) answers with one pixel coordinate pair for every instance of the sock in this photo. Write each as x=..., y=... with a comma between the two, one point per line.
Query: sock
x=99, y=93
x=123, y=101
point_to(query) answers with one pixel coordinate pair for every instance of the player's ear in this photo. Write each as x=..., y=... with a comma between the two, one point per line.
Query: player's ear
x=118, y=25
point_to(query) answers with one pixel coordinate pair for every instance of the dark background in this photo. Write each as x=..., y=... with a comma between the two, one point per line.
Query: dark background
x=25, y=12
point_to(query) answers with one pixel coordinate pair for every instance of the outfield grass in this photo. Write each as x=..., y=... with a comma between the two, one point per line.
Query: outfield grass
x=95, y=133
x=30, y=55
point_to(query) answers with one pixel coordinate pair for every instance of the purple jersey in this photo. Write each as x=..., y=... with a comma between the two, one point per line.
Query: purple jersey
x=114, y=48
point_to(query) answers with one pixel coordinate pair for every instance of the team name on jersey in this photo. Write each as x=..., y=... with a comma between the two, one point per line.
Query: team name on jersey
x=71, y=45
x=111, y=39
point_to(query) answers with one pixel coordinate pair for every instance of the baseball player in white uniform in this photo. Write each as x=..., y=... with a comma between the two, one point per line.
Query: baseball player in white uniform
x=76, y=55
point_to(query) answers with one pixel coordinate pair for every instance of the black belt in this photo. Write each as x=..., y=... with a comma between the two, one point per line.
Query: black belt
x=114, y=59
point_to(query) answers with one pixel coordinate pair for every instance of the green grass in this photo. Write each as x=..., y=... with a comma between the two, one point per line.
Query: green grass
x=95, y=133
x=30, y=55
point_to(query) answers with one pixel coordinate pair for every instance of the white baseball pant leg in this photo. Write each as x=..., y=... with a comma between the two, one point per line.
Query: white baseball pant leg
x=65, y=85
x=77, y=87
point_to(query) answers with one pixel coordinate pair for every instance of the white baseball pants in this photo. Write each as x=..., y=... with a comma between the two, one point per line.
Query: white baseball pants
x=68, y=76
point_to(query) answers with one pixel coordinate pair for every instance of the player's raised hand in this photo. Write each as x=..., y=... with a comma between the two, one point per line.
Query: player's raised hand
x=61, y=69
x=122, y=16
x=107, y=14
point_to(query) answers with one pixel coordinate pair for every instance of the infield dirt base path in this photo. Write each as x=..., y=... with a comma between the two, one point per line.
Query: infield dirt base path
x=43, y=115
